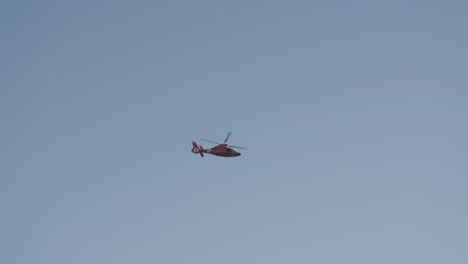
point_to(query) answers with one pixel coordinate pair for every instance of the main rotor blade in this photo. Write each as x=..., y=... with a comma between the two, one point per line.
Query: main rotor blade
x=210, y=141
x=236, y=147
x=229, y=134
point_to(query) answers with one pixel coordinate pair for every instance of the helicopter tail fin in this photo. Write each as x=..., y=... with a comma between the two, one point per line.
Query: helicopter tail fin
x=196, y=149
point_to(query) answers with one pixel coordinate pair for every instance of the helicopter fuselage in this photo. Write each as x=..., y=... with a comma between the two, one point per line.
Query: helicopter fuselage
x=222, y=150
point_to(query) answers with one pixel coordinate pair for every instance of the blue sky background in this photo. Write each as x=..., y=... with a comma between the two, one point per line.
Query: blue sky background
x=354, y=114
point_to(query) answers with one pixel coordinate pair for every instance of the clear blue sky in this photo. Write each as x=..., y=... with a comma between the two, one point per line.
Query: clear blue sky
x=354, y=114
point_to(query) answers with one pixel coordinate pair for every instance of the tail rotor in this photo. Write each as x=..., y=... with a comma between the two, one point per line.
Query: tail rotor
x=196, y=149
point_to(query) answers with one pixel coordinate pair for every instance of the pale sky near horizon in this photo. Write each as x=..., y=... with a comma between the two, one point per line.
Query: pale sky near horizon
x=354, y=114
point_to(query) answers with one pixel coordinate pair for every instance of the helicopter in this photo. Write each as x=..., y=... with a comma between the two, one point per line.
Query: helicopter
x=222, y=150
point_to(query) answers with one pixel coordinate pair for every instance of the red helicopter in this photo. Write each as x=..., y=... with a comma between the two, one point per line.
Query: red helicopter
x=223, y=150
